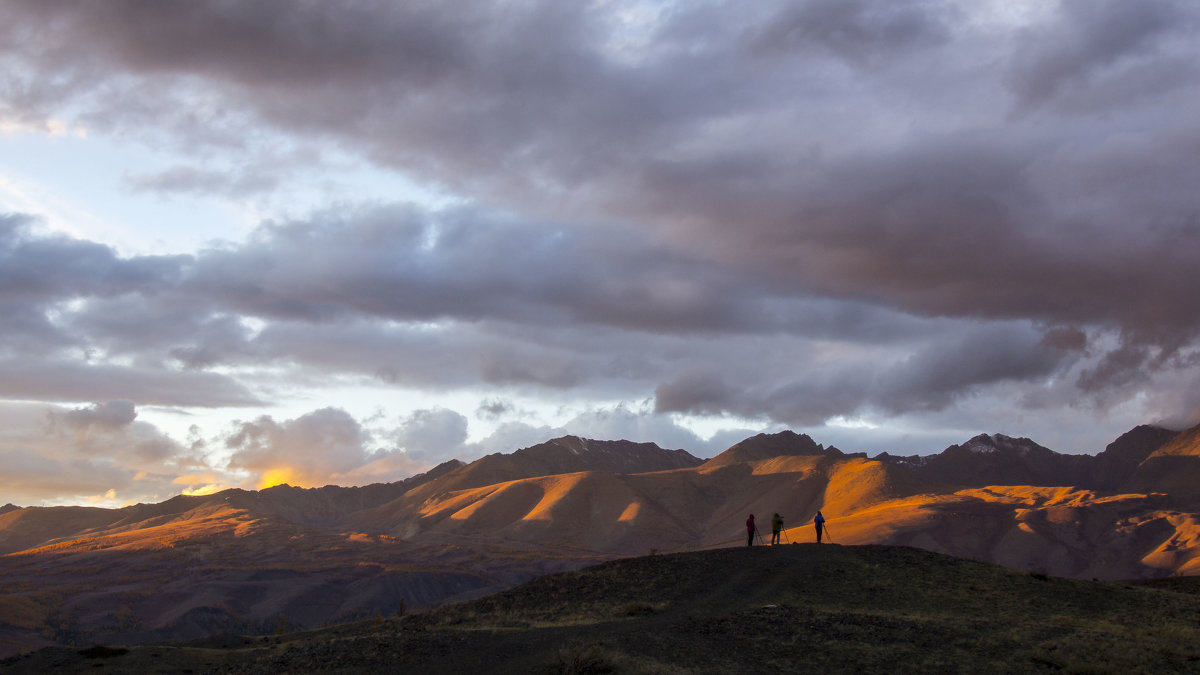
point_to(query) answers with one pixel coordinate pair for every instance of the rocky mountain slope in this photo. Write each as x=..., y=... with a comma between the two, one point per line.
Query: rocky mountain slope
x=246, y=561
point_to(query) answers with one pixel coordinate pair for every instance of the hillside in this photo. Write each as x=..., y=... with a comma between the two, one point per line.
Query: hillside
x=801, y=608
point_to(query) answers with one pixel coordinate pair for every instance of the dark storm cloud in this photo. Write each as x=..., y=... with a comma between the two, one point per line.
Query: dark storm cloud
x=898, y=177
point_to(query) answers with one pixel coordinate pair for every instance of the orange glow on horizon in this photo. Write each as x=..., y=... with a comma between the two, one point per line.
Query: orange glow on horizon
x=277, y=476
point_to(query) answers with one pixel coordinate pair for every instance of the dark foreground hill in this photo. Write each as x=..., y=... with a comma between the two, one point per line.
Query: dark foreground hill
x=798, y=608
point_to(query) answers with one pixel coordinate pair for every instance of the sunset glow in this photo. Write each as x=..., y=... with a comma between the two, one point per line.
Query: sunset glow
x=279, y=476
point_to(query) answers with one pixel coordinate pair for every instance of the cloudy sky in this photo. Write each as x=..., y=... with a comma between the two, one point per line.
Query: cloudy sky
x=250, y=242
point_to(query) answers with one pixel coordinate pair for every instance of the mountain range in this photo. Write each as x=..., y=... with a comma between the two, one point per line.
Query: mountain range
x=247, y=561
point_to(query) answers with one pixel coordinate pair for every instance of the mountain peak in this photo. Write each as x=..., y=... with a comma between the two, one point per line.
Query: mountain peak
x=993, y=443
x=567, y=454
x=1118, y=461
x=8, y=507
x=766, y=446
x=570, y=454
x=1174, y=467
x=574, y=444
x=996, y=459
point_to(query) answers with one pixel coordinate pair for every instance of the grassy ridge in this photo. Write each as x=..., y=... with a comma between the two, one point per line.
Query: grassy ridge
x=791, y=608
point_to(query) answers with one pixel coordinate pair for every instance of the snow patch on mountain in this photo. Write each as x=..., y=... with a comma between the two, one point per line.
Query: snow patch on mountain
x=991, y=444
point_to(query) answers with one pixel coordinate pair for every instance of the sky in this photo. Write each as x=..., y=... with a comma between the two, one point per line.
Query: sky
x=245, y=243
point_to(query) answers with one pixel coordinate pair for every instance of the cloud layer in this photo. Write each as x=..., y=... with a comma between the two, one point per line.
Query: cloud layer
x=932, y=217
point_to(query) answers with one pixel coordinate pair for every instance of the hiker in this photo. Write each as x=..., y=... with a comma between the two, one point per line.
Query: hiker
x=819, y=521
x=776, y=526
x=750, y=529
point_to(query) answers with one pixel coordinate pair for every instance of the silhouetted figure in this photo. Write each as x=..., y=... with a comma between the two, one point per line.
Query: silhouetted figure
x=819, y=521
x=750, y=530
x=776, y=526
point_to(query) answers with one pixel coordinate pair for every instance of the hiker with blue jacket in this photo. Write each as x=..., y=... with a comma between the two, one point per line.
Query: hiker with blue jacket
x=819, y=521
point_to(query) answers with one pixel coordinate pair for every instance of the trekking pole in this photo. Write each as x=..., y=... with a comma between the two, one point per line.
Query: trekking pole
x=826, y=530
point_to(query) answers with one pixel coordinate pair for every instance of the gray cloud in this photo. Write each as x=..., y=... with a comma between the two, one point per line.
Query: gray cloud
x=560, y=328
x=897, y=219
x=1093, y=45
x=788, y=212
x=306, y=451
x=107, y=415
x=407, y=264
x=39, y=267
x=493, y=409
x=436, y=433
x=862, y=32
x=945, y=369
x=189, y=179
x=50, y=380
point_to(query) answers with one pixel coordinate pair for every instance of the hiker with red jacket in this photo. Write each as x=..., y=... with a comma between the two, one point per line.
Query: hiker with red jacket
x=750, y=529
x=819, y=521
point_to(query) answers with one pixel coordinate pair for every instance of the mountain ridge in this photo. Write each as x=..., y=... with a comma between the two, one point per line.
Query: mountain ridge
x=766, y=446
